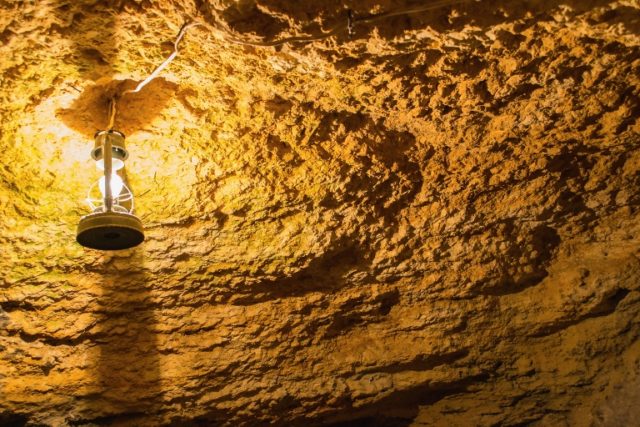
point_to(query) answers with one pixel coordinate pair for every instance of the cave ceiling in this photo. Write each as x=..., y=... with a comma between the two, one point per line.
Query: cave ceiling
x=430, y=221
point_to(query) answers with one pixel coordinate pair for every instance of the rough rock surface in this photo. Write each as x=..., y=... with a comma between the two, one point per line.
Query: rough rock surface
x=433, y=222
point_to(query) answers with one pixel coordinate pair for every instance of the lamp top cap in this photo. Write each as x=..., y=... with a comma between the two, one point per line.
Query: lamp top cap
x=118, y=150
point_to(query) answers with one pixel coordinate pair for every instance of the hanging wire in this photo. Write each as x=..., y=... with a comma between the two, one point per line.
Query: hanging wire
x=348, y=26
x=167, y=61
x=154, y=74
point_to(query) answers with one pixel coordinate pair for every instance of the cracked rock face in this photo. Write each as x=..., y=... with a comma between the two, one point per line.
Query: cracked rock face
x=432, y=222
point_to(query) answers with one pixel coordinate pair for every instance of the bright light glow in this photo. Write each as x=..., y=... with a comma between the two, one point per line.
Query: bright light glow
x=116, y=164
x=116, y=185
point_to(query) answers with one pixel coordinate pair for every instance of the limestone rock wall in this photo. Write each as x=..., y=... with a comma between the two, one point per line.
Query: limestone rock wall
x=433, y=222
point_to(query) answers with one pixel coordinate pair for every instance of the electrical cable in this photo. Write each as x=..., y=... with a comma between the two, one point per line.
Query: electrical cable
x=154, y=74
x=347, y=26
x=339, y=27
x=167, y=61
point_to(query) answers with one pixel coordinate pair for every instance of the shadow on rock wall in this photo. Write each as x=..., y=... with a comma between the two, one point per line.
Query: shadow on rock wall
x=91, y=30
x=127, y=365
x=89, y=112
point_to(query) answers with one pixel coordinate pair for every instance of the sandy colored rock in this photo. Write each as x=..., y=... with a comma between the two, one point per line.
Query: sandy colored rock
x=433, y=222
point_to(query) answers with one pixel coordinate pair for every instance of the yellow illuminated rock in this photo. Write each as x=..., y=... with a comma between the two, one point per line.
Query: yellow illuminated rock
x=432, y=222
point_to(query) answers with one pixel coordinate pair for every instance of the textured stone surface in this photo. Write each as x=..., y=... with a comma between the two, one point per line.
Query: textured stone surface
x=434, y=222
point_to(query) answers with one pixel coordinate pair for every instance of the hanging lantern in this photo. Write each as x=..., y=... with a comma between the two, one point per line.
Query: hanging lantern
x=111, y=225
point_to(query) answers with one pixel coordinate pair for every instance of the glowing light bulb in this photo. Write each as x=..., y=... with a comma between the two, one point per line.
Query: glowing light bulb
x=116, y=185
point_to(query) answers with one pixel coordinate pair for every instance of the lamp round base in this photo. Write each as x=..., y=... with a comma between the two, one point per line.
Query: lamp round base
x=110, y=231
